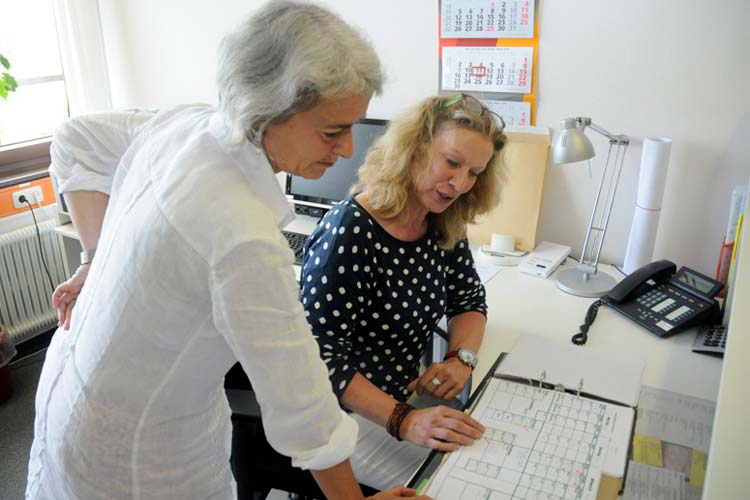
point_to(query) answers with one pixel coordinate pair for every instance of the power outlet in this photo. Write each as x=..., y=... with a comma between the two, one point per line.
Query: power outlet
x=33, y=195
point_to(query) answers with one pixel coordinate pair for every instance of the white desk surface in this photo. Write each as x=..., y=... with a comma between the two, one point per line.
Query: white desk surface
x=67, y=230
x=523, y=304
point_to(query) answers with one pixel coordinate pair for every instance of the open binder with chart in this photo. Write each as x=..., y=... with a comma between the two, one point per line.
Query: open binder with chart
x=559, y=422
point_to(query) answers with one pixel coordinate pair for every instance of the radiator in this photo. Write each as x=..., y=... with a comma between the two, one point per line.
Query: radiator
x=25, y=293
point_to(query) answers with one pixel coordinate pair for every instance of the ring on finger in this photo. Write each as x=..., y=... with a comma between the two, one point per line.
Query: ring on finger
x=436, y=382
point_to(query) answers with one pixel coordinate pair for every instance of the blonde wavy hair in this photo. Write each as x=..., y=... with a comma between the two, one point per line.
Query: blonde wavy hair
x=387, y=176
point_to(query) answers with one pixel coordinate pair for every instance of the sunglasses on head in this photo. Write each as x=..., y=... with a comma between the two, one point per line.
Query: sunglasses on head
x=472, y=105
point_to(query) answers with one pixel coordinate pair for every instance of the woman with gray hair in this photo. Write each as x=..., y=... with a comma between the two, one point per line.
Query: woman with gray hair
x=184, y=272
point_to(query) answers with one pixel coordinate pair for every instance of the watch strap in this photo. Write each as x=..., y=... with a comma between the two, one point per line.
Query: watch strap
x=87, y=256
x=450, y=354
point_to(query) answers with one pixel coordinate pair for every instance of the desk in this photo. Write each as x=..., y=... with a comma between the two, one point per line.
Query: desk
x=522, y=304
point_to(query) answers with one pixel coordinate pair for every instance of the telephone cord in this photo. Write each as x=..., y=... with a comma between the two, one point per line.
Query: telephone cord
x=581, y=337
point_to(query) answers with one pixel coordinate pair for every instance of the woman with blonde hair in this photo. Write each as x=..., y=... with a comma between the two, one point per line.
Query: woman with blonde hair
x=384, y=266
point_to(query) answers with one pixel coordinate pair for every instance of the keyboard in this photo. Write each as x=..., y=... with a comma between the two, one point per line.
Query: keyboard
x=296, y=242
x=711, y=339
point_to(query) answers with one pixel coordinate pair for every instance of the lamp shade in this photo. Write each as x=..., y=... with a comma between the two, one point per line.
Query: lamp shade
x=571, y=144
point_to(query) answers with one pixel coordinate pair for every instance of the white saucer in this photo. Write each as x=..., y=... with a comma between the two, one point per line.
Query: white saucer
x=499, y=259
x=503, y=253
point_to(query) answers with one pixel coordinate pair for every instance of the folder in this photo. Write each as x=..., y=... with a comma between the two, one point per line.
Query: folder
x=559, y=420
x=524, y=172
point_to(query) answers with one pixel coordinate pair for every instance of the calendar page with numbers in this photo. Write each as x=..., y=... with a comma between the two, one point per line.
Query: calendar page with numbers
x=487, y=18
x=487, y=69
x=538, y=443
x=514, y=114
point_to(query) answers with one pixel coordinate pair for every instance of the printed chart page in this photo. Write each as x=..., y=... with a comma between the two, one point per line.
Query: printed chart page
x=538, y=443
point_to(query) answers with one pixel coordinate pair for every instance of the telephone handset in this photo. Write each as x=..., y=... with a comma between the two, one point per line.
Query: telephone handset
x=656, y=271
x=660, y=299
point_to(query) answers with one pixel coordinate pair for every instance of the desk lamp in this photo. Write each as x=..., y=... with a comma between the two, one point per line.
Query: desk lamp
x=572, y=146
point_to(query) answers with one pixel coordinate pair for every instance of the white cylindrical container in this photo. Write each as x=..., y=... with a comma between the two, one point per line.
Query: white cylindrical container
x=502, y=243
x=651, y=180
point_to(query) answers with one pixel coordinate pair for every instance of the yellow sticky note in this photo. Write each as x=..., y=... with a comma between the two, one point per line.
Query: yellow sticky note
x=647, y=450
x=698, y=468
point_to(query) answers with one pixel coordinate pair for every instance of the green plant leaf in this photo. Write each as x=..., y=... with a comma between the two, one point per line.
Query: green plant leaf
x=10, y=83
x=4, y=62
x=3, y=91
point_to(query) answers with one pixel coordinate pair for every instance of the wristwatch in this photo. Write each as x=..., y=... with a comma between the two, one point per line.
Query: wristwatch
x=465, y=356
x=87, y=256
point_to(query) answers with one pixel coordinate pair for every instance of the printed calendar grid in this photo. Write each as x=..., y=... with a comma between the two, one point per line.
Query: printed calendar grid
x=487, y=18
x=560, y=463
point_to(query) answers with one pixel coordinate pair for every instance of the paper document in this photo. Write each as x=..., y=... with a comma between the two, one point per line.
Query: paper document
x=486, y=271
x=538, y=443
x=598, y=372
x=646, y=482
x=675, y=418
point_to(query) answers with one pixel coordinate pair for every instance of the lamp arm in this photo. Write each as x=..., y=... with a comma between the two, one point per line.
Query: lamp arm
x=621, y=139
x=618, y=163
x=586, y=258
x=592, y=249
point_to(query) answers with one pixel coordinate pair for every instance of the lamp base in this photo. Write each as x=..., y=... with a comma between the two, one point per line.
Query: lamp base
x=582, y=284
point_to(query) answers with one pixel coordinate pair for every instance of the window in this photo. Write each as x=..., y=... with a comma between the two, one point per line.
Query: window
x=28, y=39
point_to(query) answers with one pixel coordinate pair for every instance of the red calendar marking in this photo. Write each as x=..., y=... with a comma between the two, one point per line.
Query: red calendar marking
x=479, y=71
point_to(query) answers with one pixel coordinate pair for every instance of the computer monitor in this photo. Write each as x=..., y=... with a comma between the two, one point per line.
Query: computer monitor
x=334, y=185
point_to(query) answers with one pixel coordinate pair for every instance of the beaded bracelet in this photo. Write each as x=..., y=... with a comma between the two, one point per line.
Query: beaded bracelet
x=397, y=418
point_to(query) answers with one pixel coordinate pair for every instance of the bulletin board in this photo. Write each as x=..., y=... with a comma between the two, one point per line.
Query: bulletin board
x=489, y=49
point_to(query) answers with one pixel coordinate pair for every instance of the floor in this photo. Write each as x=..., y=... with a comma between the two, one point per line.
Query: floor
x=17, y=421
x=17, y=426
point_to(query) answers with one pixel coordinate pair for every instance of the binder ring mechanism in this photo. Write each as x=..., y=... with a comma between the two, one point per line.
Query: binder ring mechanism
x=556, y=387
x=562, y=388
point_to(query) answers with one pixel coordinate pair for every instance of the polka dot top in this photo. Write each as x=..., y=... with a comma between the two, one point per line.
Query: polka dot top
x=373, y=301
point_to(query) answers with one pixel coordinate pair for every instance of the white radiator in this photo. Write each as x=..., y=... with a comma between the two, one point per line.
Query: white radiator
x=25, y=293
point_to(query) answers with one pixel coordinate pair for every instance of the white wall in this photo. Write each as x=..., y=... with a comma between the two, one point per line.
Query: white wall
x=640, y=67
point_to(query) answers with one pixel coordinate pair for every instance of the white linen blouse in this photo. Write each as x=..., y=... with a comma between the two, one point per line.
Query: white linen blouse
x=191, y=274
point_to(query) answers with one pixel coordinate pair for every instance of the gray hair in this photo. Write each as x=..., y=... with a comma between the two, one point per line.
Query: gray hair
x=284, y=60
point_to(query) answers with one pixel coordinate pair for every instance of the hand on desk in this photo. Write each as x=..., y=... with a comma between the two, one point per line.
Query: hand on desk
x=451, y=374
x=65, y=295
x=399, y=492
x=441, y=428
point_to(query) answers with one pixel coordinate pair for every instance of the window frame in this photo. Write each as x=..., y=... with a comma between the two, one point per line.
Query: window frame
x=24, y=161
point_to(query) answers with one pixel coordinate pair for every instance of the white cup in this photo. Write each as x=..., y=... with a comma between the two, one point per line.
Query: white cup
x=502, y=243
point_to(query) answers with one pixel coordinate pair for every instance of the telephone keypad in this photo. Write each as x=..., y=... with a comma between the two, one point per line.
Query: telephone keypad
x=711, y=339
x=665, y=306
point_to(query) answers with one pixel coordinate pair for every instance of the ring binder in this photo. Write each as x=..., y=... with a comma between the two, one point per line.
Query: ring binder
x=575, y=420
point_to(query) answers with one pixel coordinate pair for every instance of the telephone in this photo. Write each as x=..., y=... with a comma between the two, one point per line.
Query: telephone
x=660, y=299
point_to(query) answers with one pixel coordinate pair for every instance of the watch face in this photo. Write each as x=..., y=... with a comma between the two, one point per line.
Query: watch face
x=468, y=357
